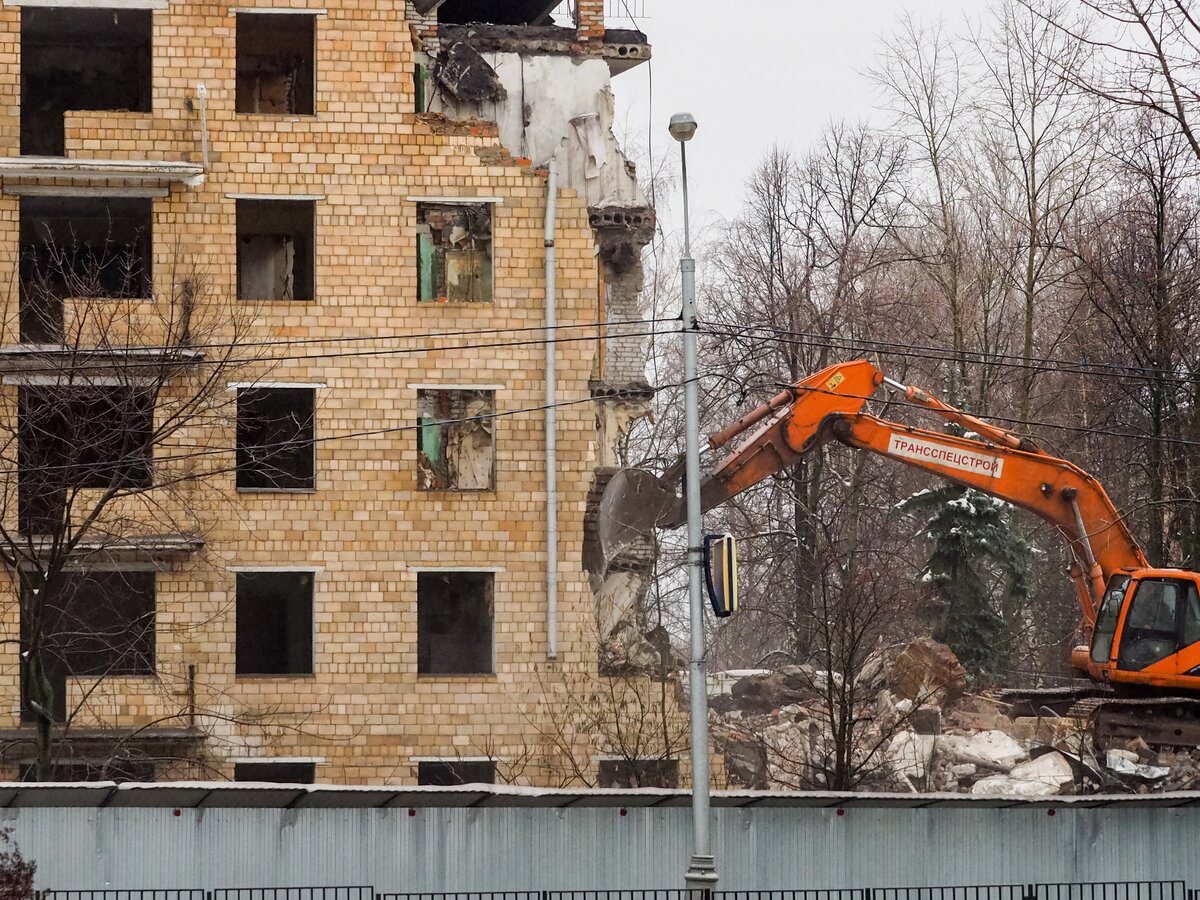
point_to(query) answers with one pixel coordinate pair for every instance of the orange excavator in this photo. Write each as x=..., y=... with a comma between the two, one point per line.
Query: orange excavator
x=1140, y=629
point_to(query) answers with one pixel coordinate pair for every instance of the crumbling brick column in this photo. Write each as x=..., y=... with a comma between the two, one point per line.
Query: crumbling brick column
x=622, y=232
x=589, y=22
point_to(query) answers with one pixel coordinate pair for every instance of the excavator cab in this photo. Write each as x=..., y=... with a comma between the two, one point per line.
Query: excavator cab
x=1148, y=629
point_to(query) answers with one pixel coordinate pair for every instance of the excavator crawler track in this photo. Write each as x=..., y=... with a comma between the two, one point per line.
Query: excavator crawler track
x=1057, y=701
x=1159, y=721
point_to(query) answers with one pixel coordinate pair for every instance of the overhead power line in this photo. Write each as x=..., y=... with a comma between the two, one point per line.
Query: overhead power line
x=942, y=353
x=132, y=363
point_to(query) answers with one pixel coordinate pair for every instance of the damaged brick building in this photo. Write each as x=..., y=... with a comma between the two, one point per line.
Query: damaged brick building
x=366, y=589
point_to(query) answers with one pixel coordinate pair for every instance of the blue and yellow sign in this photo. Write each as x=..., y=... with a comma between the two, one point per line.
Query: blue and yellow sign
x=720, y=571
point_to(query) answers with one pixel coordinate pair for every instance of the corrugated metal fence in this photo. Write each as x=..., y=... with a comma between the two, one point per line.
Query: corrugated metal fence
x=1123, y=890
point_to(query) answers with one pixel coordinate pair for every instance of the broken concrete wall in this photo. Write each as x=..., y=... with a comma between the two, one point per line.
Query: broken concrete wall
x=548, y=90
x=556, y=105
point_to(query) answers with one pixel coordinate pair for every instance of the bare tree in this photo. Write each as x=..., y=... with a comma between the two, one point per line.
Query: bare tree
x=1140, y=276
x=1142, y=54
x=16, y=872
x=121, y=416
x=1040, y=141
x=921, y=72
x=616, y=729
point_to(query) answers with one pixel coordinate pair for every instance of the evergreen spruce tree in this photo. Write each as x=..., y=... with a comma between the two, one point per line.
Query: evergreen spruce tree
x=980, y=565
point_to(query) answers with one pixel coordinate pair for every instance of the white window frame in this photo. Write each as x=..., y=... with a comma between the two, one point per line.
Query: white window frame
x=236, y=386
x=312, y=570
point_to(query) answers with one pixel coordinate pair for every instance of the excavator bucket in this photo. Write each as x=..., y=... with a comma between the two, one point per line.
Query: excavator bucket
x=636, y=502
x=633, y=504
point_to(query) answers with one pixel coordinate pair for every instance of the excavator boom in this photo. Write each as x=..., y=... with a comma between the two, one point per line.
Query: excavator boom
x=828, y=405
x=1142, y=623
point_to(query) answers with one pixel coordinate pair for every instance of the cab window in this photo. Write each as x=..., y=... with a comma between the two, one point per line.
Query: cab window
x=1106, y=619
x=1156, y=621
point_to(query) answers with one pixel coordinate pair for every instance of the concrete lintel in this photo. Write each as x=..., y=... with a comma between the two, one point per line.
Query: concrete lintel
x=285, y=197
x=276, y=10
x=91, y=4
x=84, y=190
x=87, y=171
x=254, y=385
x=462, y=201
x=484, y=569
x=455, y=387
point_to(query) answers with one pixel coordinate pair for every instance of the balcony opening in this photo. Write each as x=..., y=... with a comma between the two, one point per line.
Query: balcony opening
x=274, y=623
x=456, y=447
x=276, y=63
x=639, y=773
x=275, y=434
x=276, y=772
x=69, y=438
x=454, y=623
x=275, y=249
x=85, y=247
x=454, y=252
x=119, y=770
x=450, y=773
x=80, y=59
x=94, y=624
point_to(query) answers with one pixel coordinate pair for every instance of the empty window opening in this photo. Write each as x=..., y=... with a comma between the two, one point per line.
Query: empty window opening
x=275, y=249
x=78, y=438
x=274, y=623
x=454, y=623
x=80, y=247
x=275, y=63
x=639, y=773
x=276, y=772
x=119, y=770
x=80, y=59
x=94, y=624
x=454, y=252
x=448, y=774
x=275, y=449
x=456, y=447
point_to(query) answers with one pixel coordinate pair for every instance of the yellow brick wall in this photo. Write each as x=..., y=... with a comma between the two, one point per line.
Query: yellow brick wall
x=364, y=711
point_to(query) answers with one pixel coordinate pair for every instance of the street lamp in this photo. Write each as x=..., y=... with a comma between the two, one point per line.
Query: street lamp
x=702, y=869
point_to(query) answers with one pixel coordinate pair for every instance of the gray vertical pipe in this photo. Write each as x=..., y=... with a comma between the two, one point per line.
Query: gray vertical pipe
x=701, y=873
x=551, y=423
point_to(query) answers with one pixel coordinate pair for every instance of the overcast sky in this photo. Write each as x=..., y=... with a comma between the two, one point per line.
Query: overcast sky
x=756, y=72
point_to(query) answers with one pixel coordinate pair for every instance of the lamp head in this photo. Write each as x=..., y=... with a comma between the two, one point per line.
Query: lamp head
x=683, y=126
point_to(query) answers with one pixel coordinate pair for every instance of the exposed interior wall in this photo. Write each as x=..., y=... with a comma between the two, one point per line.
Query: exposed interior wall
x=275, y=249
x=557, y=105
x=454, y=252
x=456, y=448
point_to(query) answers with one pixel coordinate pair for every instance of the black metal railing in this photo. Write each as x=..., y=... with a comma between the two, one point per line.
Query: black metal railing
x=1112, y=890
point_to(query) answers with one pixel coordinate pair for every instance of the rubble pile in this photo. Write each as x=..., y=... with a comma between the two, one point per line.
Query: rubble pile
x=906, y=721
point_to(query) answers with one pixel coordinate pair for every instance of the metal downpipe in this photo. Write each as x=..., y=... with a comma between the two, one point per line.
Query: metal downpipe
x=551, y=420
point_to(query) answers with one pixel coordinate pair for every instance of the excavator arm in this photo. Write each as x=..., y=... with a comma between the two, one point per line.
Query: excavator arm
x=828, y=406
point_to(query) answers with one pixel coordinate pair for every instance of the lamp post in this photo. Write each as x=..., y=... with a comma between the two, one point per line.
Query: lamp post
x=702, y=870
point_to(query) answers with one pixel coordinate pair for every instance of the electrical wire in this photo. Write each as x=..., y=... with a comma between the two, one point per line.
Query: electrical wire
x=352, y=435
x=364, y=338
x=1029, y=423
x=936, y=353
x=171, y=359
